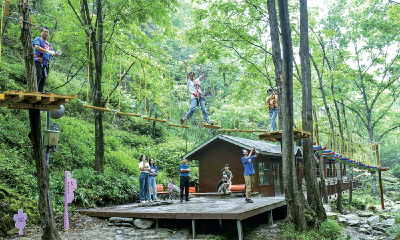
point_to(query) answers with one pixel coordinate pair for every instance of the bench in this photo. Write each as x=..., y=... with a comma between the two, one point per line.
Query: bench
x=160, y=191
x=192, y=190
x=238, y=188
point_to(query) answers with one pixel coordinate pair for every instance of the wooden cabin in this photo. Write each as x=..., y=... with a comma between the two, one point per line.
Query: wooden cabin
x=213, y=154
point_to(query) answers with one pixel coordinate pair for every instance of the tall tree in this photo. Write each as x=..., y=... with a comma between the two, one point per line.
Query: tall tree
x=310, y=173
x=45, y=207
x=292, y=192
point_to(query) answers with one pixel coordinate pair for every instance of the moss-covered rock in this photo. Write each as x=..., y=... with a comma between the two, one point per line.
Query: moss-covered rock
x=9, y=206
x=12, y=232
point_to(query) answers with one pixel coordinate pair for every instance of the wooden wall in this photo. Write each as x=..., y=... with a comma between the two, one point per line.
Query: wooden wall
x=218, y=153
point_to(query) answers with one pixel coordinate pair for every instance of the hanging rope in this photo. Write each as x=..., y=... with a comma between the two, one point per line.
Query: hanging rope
x=140, y=85
x=109, y=82
x=213, y=93
x=88, y=75
x=120, y=81
x=1, y=28
x=170, y=92
x=145, y=88
x=187, y=107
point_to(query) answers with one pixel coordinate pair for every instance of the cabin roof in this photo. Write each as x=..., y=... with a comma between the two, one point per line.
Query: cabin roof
x=262, y=147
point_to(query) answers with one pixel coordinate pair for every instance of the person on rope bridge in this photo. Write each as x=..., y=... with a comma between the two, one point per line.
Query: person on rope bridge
x=43, y=50
x=197, y=97
x=272, y=106
x=247, y=161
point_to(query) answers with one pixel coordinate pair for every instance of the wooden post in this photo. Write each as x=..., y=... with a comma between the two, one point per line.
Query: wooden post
x=194, y=228
x=157, y=223
x=270, y=219
x=240, y=230
x=380, y=175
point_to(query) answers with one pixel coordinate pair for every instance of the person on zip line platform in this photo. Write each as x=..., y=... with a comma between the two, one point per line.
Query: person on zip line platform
x=272, y=106
x=43, y=51
x=197, y=97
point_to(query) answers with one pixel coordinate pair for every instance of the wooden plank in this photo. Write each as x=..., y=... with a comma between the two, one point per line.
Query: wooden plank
x=48, y=100
x=155, y=119
x=227, y=130
x=15, y=99
x=205, y=125
x=35, y=99
x=129, y=114
x=97, y=108
x=176, y=125
x=47, y=107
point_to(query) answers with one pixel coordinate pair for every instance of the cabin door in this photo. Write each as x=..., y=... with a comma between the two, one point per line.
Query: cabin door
x=277, y=179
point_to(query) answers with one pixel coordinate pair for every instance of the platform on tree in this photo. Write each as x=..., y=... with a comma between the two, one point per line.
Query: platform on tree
x=277, y=135
x=33, y=100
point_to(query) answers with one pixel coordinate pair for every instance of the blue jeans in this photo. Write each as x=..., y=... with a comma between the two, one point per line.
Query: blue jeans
x=153, y=185
x=193, y=105
x=144, y=186
x=273, y=113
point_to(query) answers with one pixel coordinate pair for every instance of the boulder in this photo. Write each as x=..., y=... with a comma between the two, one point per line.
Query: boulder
x=379, y=227
x=363, y=230
x=331, y=215
x=365, y=214
x=389, y=222
x=120, y=219
x=143, y=223
x=12, y=232
x=342, y=220
x=125, y=224
x=372, y=221
x=178, y=235
x=354, y=222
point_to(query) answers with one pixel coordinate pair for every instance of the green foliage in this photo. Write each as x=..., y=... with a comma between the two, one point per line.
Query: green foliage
x=330, y=229
x=394, y=231
x=10, y=203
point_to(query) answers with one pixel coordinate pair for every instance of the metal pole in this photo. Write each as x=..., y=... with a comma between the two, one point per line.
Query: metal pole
x=380, y=175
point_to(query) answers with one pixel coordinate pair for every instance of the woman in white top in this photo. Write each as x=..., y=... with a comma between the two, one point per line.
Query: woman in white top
x=144, y=180
x=196, y=96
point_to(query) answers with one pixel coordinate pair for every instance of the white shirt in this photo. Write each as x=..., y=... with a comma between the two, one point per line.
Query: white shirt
x=192, y=87
x=145, y=166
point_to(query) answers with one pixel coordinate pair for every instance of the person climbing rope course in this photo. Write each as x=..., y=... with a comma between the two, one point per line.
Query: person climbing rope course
x=197, y=97
x=43, y=50
x=272, y=106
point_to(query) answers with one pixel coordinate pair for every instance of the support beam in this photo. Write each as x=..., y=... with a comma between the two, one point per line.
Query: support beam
x=381, y=188
x=157, y=223
x=240, y=230
x=194, y=228
x=270, y=218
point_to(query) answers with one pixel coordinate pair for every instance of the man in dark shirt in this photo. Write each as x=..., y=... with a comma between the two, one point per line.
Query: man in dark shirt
x=225, y=171
x=223, y=185
x=184, y=179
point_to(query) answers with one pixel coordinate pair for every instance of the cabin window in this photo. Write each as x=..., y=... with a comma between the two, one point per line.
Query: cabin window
x=263, y=173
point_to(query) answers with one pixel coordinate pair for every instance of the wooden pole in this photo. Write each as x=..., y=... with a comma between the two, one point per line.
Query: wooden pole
x=380, y=175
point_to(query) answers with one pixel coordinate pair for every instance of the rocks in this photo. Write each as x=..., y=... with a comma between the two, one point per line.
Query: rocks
x=372, y=221
x=143, y=223
x=375, y=232
x=178, y=235
x=331, y=215
x=119, y=219
x=389, y=222
x=363, y=230
x=365, y=214
x=342, y=220
x=379, y=227
x=12, y=232
x=354, y=223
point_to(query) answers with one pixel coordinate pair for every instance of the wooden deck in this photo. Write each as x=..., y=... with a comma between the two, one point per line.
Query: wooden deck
x=33, y=100
x=277, y=135
x=196, y=208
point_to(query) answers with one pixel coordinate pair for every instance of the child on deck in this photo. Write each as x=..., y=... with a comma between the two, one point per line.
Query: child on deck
x=223, y=185
x=196, y=97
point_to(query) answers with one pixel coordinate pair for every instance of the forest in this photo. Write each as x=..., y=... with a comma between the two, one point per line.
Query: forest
x=334, y=65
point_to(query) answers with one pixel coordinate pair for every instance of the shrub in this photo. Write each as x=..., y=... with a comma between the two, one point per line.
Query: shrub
x=330, y=229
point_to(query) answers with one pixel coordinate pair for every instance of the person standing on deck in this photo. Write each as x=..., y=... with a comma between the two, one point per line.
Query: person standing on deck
x=272, y=106
x=43, y=50
x=184, y=170
x=152, y=177
x=247, y=161
x=144, y=180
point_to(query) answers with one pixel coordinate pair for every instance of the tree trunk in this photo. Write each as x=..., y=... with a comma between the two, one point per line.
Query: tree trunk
x=310, y=173
x=339, y=186
x=97, y=101
x=276, y=50
x=324, y=189
x=292, y=193
x=45, y=207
